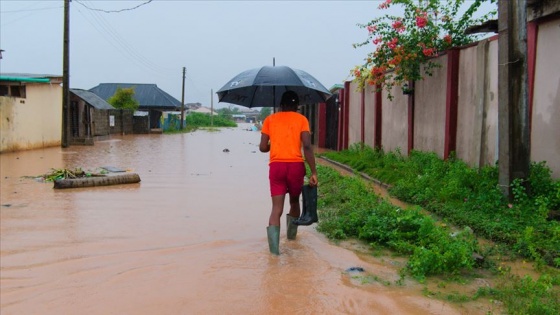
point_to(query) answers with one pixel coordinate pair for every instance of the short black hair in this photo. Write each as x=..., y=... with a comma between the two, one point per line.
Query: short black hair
x=289, y=98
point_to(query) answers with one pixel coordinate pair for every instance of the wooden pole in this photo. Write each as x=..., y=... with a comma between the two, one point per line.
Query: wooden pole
x=66, y=77
x=183, y=100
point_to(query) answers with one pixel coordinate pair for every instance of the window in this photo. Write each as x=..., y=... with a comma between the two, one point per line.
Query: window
x=13, y=90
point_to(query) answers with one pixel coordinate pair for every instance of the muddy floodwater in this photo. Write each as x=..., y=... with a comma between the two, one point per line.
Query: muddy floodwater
x=190, y=238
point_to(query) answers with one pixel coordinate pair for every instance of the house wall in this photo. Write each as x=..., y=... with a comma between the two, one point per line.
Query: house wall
x=545, y=125
x=80, y=111
x=122, y=121
x=141, y=124
x=100, y=123
x=31, y=122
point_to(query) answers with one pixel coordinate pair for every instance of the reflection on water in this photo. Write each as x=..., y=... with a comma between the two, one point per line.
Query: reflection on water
x=190, y=238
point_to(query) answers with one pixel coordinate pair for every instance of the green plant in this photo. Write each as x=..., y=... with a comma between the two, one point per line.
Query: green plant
x=467, y=197
x=349, y=208
x=405, y=45
x=124, y=99
x=204, y=120
x=523, y=295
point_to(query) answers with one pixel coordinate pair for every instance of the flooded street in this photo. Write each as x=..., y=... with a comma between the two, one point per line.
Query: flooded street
x=190, y=238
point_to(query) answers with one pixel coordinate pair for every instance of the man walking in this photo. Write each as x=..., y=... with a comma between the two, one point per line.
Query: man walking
x=284, y=134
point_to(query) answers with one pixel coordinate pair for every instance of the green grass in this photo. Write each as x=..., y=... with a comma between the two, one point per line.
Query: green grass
x=465, y=197
x=195, y=121
x=471, y=198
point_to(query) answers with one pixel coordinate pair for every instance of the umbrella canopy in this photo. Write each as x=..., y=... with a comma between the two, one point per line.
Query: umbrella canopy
x=263, y=87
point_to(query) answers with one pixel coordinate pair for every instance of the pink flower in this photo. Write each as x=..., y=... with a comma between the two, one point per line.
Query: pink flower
x=393, y=43
x=398, y=26
x=421, y=21
x=357, y=73
x=385, y=4
x=428, y=51
x=371, y=28
x=378, y=71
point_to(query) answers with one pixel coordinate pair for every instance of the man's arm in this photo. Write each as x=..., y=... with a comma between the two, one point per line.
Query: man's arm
x=309, y=156
x=264, y=146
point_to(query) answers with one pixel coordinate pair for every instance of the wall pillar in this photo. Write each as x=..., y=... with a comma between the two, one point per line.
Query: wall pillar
x=451, y=102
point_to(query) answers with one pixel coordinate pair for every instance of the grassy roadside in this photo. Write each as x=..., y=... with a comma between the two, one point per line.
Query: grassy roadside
x=196, y=121
x=460, y=225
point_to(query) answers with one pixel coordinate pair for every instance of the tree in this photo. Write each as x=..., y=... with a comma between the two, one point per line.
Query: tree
x=228, y=112
x=405, y=45
x=124, y=99
x=265, y=111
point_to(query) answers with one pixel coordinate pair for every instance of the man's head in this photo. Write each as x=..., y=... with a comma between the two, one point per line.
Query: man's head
x=290, y=100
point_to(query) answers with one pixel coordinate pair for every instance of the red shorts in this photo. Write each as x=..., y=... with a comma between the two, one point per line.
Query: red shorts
x=286, y=177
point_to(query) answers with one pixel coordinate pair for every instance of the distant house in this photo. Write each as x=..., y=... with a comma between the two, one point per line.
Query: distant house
x=151, y=98
x=92, y=117
x=251, y=115
x=31, y=111
x=202, y=110
x=239, y=117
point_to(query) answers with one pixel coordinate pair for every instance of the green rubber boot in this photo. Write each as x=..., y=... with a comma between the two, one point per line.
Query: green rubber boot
x=273, y=232
x=291, y=227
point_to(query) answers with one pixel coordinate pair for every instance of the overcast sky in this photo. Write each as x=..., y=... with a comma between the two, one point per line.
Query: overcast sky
x=151, y=41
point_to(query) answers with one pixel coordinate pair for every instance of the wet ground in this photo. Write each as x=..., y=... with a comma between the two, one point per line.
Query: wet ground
x=190, y=238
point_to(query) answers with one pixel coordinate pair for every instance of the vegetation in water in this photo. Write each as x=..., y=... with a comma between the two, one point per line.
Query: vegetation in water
x=65, y=173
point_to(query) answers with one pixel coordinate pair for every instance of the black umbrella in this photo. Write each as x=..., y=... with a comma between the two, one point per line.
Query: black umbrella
x=263, y=87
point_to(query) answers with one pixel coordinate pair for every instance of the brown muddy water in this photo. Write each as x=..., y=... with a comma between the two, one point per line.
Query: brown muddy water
x=190, y=238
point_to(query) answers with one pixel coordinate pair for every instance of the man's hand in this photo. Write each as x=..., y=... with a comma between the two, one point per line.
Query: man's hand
x=313, y=180
x=264, y=146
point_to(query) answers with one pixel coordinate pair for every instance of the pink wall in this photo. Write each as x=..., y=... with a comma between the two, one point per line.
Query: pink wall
x=472, y=91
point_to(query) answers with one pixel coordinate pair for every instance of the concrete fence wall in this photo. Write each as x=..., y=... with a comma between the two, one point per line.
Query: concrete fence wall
x=456, y=109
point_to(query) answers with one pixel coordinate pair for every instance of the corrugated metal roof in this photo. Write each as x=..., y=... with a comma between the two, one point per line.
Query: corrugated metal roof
x=147, y=95
x=31, y=77
x=92, y=99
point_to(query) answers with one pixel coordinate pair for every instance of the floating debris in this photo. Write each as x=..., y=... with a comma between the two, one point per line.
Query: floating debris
x=64, y=173
x=113, y=169
x=355, y=269
x=117, y=179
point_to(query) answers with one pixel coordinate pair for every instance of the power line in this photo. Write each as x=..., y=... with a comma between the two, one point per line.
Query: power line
x=17, y=15
x=113, y=11
x=29, y=10
x=104, y=28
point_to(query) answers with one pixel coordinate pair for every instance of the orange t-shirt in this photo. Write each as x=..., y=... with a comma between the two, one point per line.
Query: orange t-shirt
x=284, y=130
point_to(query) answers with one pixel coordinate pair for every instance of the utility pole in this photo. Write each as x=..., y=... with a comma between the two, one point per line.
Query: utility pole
x=66, y=76
x=183, y=100
x=211, y=107
x=514, y=157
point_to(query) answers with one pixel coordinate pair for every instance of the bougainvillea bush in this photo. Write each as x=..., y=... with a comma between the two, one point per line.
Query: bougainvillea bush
x=403, y=46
